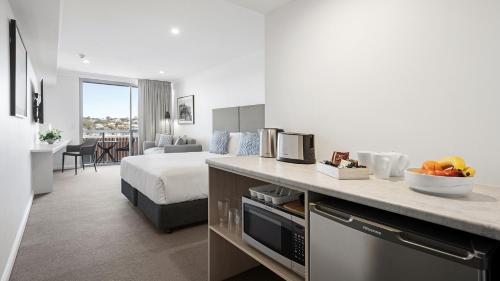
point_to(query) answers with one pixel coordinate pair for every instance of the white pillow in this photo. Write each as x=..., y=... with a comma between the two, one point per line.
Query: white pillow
x=234, y=143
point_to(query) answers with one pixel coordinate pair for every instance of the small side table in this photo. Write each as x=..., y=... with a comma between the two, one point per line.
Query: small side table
x=106, y=147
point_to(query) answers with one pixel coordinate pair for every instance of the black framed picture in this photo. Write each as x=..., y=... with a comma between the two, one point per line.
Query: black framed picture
x=41, y=106
x=185, y=110
x=37, y=101
x=18, y=73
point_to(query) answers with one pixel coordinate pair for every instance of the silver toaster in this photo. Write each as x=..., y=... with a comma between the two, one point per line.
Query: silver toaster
x=296, y=148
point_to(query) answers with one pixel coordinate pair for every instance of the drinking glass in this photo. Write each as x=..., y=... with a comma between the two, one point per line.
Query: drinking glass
x=231, y=225
x=223, y=211
x=237, y=222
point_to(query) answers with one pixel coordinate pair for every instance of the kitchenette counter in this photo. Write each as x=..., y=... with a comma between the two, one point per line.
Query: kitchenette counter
x=478, y=213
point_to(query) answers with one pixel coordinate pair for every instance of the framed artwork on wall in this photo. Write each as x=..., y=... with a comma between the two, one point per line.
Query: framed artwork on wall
x=185, y=110
x=41, y=106
x=18, y=73
x=38, y=105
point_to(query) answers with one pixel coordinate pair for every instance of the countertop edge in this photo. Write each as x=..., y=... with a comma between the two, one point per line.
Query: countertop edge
x=49, y=148
x=478, y=229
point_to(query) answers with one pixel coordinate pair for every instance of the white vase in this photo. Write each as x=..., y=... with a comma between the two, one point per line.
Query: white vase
x=51, y=141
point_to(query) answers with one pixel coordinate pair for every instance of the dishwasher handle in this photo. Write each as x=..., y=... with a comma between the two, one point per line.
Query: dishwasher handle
x=330, y=213
x=347, y=219
x=395, y=235
x=443, y=249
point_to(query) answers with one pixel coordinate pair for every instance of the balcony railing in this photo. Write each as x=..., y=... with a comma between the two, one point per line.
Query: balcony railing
x=122, y=139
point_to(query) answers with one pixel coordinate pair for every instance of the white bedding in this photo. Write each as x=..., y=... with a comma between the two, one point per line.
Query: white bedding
x=169, y=177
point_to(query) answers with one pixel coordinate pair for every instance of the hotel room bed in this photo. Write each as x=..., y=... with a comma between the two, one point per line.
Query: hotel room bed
x=172, y=188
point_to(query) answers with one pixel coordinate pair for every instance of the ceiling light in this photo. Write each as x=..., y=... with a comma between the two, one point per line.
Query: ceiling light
x=84, y=59
x=175, y=31
x=162, y=72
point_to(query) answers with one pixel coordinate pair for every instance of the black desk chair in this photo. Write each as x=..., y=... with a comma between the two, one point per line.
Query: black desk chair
x=125, y=148
x=87, y=148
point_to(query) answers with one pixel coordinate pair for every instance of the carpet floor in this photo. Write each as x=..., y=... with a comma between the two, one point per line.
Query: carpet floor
x=87, y=230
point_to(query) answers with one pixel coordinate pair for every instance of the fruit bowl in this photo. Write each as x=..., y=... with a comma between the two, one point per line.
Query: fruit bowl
x=439, y=185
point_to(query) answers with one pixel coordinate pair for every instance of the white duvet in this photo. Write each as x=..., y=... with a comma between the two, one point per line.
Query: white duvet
x=169, y=177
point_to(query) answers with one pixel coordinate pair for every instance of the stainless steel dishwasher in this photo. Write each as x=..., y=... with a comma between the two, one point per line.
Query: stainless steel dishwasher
x=350, y=242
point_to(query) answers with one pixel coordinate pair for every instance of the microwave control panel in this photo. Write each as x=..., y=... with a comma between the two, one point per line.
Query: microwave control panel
x=298, y=244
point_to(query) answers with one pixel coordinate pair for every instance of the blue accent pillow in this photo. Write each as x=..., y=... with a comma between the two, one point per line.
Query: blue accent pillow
x=165, y=140
x=219, y=142
x=249, y=144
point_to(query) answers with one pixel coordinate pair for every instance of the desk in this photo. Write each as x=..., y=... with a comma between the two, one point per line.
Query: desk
x=42, y=165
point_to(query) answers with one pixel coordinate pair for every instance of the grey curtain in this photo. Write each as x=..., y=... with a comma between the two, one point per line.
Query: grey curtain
x=154, y=101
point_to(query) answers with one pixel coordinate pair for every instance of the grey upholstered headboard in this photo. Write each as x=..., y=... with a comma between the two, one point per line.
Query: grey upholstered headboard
x=239, y=119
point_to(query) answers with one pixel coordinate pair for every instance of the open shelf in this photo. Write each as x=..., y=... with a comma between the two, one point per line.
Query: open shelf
x=257, y=273
x=272, y=265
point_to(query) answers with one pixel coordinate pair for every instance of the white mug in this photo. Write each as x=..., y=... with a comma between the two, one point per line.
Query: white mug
x=382, y=165
x=365, y=158
x=399, y=163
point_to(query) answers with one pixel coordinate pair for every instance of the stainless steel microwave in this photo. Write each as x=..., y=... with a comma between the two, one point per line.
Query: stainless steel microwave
x=276, y=233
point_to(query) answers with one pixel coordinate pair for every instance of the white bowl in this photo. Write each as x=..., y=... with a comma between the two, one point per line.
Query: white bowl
x=438, y=185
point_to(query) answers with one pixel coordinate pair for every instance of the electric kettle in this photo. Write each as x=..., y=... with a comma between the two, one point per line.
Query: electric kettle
x=268, y=142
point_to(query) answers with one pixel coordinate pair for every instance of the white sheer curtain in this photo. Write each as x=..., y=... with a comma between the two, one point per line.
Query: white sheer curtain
x=154, y=102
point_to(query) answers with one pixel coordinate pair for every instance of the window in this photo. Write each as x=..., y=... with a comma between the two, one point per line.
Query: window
x=110, y=113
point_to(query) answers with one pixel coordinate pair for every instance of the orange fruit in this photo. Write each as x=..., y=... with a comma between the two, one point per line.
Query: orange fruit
x=432, y=165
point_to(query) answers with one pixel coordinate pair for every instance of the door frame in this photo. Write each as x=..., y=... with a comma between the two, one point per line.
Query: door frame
x=110, y=83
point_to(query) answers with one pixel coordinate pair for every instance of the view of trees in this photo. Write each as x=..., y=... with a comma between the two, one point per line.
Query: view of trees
x=108, y=123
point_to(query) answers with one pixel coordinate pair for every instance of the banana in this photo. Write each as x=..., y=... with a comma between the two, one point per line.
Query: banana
x=455, y=162
x=469, y=172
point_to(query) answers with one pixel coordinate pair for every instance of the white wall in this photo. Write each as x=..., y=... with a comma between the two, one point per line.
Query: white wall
x=237, y=83
x=62, y=106
x=17, y=137
x=421, y=77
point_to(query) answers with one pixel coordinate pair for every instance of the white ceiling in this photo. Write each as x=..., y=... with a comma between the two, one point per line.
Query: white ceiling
x=132, y=38
x=38, y=23
x=261, y=6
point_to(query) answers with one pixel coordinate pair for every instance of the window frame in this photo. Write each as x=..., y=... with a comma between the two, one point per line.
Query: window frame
x=102, y=82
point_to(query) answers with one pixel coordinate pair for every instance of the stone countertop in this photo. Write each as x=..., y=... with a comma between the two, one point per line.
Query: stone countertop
x=478, y=213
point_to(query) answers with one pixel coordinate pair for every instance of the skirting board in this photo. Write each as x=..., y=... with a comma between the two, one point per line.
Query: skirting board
x=17, y=242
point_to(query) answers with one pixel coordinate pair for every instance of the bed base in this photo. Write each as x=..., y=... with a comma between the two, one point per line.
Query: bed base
x=129, y=192
x=167, y=217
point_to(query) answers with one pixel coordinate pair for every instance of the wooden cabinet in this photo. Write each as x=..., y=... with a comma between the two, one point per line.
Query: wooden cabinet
x=229, y=255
